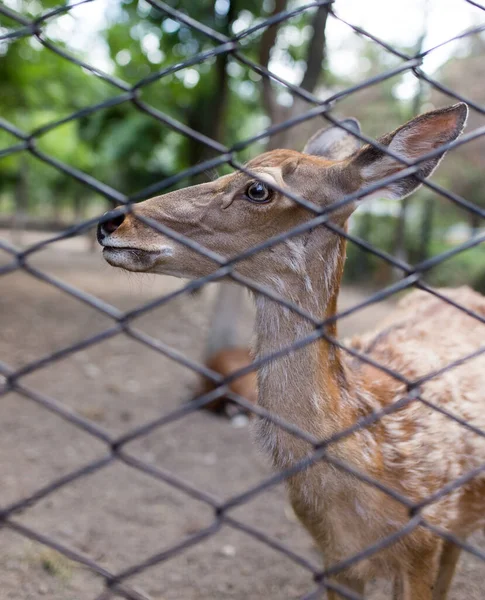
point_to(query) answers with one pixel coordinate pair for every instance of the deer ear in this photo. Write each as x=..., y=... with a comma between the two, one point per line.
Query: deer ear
x=334, y=142
x=412, y=140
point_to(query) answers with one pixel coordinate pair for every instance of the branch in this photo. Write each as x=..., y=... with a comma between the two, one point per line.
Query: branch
x=316, y=49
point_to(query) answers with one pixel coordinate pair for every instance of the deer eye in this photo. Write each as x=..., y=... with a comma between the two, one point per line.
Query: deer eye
x=258, y=192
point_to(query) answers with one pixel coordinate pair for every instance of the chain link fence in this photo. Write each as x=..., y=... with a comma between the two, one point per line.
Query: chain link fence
x=118, y=583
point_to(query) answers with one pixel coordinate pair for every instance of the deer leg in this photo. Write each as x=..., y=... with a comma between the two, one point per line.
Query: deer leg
x=348, y=582
x=417, y=581
x=414, y=586
x=450, y=554
x=397, y=590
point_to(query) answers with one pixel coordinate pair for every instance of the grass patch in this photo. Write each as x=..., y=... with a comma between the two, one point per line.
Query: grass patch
x=52, y=562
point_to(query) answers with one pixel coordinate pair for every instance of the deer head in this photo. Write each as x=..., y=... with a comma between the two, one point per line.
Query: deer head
x=236, y=212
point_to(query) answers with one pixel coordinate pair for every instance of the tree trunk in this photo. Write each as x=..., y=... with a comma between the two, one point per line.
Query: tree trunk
x=475, y=221
x=224, y=329
x=21, y=203
x=315, y=55
x=400, y=247
x=210, y=118
x=79, y=207
x=365, y=232
x=426, y=230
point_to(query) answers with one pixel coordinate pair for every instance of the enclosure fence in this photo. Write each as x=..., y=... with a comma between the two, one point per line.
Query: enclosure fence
x=118, y=583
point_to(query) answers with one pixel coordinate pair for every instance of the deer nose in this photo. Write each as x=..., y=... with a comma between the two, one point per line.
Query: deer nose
x=110, y=223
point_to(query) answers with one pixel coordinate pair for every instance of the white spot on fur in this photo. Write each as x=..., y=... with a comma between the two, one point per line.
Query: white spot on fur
x=278, y=284
x=359, y=509
x=166, y=251
x=316, y=399
x=308, y=284
x=295, y=258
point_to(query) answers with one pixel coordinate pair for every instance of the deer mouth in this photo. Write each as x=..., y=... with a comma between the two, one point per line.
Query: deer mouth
x=134, y=259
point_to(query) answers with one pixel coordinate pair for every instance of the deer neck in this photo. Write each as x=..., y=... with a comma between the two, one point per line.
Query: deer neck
x=311, y=386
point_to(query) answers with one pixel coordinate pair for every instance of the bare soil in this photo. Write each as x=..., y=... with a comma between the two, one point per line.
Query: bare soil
x=118, y=516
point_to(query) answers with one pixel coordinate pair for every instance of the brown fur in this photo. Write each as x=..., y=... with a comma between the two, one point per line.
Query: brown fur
x=226, y=362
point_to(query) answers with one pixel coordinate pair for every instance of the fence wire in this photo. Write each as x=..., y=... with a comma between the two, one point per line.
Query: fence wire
x=124, y=322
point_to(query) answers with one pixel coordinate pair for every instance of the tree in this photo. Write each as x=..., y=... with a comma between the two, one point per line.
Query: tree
x=313, y=57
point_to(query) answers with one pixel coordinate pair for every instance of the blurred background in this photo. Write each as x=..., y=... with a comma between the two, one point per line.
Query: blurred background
x=229, y=102
x=116, y=515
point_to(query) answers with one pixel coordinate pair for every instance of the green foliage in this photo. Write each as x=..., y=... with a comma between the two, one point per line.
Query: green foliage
x=119, y=145
x=465, y=268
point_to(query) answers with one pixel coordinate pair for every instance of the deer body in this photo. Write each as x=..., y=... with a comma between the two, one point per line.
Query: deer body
x=227, y=361
x=415, y=450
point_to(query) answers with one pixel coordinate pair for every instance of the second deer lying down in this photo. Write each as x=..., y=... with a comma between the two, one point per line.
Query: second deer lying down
x=415, y=450
x=226, y=362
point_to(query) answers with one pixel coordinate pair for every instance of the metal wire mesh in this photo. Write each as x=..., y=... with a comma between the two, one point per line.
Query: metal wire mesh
x=125, y=322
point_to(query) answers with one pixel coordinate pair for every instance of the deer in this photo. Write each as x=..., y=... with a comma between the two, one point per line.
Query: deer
x=318, y=387
x=226, y=362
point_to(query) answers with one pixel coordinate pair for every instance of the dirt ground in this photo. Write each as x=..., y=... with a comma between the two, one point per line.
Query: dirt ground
x=119, y=516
